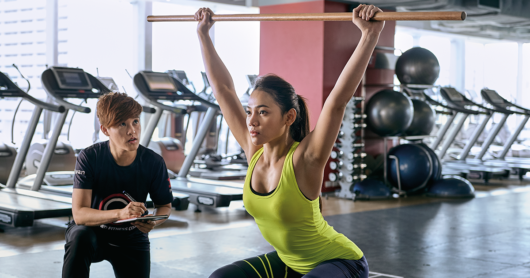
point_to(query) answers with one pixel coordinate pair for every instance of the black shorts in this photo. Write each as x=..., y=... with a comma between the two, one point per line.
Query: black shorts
x=270, y=265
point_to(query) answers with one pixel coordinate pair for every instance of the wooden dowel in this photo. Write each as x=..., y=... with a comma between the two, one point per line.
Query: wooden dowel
x=317, y=17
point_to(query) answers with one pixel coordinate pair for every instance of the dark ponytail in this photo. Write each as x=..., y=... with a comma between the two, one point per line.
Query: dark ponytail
x=283, y=93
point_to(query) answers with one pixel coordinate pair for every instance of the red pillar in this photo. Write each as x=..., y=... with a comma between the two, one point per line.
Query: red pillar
x=311, y=55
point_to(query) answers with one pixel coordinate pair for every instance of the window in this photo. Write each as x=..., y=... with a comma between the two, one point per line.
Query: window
x=176, y=46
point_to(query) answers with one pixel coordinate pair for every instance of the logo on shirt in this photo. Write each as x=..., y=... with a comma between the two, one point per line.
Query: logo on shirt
x=79, y=172
x=116, y=201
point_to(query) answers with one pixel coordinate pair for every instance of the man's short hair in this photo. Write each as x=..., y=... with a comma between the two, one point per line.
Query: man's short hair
x=116, y=108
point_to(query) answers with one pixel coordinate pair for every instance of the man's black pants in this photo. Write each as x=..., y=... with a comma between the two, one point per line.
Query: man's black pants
x=85, y=246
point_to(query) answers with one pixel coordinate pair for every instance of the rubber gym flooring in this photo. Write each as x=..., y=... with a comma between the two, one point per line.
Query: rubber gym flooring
x=488, y=236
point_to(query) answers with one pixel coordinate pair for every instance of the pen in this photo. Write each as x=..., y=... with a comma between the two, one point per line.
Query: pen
x=133, y=200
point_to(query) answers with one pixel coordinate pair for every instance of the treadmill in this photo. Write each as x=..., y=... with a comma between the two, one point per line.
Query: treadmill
x=155, y=86
x=477, y=170
x=61, y=83
x=19, y=207
x=520, y=166
x=211, y=165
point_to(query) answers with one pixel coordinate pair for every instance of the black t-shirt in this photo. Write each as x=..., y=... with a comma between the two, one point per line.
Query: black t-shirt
x=96, y=169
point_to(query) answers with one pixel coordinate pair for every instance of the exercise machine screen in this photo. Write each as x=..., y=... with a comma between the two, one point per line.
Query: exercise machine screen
x=159, y=82
x=69, y=78
x=453, y=94
x=494, y=97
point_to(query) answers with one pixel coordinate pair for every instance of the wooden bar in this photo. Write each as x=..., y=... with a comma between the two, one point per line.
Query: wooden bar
x=380, y=16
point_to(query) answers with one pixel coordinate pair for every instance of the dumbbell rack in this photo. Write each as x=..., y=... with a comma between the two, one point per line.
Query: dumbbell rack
x=348, y=165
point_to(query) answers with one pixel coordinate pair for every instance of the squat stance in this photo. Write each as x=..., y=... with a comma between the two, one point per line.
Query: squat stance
x=286, y=162
x=112, y=180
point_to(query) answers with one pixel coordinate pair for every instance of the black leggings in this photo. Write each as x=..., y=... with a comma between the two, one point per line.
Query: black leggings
x=84, y=246
x=270, y=265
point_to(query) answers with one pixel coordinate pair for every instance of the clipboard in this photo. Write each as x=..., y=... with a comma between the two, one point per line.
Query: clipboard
x=144, y=218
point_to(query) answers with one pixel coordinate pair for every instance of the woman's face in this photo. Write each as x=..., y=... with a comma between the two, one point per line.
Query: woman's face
x=265, y=121
x=125, y=136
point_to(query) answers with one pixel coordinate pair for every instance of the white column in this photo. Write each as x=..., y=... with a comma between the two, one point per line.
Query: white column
x=458, y=64
x=52, y=49
x=144, y=35
x=520, y=78
x=416, y=40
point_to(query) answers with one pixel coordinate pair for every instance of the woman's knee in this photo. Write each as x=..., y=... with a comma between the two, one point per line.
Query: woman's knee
x=229, y=271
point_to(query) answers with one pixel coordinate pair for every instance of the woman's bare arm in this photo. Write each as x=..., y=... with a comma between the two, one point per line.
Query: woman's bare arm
x=317, y=146
x=222, y=84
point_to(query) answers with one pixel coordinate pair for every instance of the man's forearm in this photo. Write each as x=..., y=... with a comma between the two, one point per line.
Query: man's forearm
x=162, y=210
x=93, y=217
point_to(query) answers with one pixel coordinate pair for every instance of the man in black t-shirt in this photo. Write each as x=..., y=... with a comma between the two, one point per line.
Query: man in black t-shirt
x=112, y=180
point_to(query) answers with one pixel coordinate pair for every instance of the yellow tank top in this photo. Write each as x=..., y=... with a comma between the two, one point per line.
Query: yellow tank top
x=293, y=224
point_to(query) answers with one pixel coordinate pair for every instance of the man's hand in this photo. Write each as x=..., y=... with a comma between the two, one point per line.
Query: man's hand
x=133, y=209
x=361, y=17
x=144, y=226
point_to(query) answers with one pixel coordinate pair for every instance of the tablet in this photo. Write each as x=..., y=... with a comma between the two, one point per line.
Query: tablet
x=144, y=218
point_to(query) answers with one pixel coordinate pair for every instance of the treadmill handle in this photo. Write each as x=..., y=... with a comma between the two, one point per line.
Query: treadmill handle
x=72, y=106
x=457, y=109
x=149, y=110
x=45, y=105
x=525, y=110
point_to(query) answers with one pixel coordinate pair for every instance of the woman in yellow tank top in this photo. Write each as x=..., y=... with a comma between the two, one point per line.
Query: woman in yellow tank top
x=286, y=162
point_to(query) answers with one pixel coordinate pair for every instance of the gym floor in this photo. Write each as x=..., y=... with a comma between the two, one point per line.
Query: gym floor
x=408, y=237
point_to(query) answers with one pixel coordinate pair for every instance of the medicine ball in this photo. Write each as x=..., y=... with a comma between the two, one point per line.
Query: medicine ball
x=415, y=167
x=370, y=189
x=417, y=66
x=389, y=113
x=436, y=164
x=423, y=119
x=452, y=187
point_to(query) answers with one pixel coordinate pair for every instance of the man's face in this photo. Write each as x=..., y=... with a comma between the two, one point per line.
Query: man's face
x=126, y=135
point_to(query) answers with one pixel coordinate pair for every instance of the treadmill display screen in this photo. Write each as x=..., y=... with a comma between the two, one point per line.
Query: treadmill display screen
x=72, y=79
x=453, y=94
x=494, y=97
x=159, y=82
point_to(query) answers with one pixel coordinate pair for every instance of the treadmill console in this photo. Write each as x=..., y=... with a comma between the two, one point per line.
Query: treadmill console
x=453, y=94
x=493, y=96
x=62, y=82
x=71, y=78
x=162, y=86
x=180, y=75
x=159, y=82
x=7, y=87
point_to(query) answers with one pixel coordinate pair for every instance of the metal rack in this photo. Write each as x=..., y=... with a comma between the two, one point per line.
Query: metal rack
x=348, y=165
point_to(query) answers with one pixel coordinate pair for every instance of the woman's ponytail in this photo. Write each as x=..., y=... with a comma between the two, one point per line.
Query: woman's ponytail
x=300, y=128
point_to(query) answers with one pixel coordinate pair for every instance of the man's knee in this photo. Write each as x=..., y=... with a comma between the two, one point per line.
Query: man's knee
x=81, y=237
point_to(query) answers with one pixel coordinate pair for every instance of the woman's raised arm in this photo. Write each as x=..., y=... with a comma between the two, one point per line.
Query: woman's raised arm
x=319, y=143
x=221, y=82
